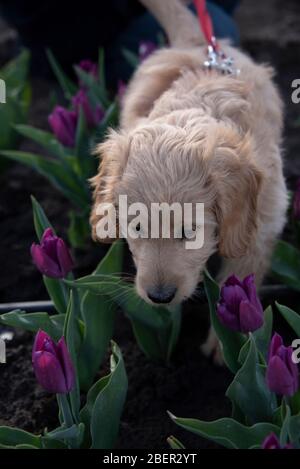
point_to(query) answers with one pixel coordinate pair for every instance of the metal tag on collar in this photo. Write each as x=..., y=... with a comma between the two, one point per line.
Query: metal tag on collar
x=217, y=60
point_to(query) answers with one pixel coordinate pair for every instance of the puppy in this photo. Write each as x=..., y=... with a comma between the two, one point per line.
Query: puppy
x=188, y=135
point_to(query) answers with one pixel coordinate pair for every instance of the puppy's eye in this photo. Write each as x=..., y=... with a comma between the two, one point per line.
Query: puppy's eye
x=138, y=228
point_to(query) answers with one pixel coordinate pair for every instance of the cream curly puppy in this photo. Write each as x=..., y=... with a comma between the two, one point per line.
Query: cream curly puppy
x=189, y=134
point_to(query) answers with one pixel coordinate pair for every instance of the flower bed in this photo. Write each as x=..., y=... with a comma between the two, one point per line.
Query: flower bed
x=189, y=385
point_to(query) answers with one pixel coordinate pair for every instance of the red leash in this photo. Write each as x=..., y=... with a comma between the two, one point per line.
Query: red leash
x=216, y=58
x=206, y=23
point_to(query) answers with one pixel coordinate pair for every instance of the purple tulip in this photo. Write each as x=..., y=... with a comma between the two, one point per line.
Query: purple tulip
x=272, y=442
x=52, y=364
x=239, y=307
x=81, y=101
x=89, y=67
x=63, y=124
x=146, y=48
x=52, y=257
x=296, y=202
x=282, y=372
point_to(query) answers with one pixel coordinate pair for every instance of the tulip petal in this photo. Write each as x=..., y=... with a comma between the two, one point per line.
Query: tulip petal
x=250, y=318
x=81, y=101
x=232, y=296
x=271, y=442
x=276, y=343
x=64, y=257
x=63, y=123
x=39, y=340
x=279, y=378
x=49, y=247
x=233, y=280
x=48, y=372
x=227, y=318
x=48, y=233
x=250, y=289
x=44, y=263
x=66, y=363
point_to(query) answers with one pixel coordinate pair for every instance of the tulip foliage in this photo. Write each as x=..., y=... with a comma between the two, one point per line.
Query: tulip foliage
x=17, y=97
x=75, y=127
x=68, y=350
x=264, y=393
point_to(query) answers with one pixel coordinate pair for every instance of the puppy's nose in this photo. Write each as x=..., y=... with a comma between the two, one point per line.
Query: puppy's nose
x=162, y=294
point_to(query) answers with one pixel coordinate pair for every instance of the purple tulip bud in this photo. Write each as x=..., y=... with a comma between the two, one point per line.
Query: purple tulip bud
x=239, y=307
x=52, y=364
x=282, y=372
x=63, y=124
x=92, y=116
x=146, y=48
x=52, y=257
x=296, y=202
x=89, y=67
x=272, y=442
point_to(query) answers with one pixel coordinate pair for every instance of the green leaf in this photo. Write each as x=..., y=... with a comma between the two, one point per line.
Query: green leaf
x=95, y=91
x=86, y=162
x=18, y=97
x=15, y=72
x=131, y=57
x=158, y=343
x=125, y=296
x=231, y=341
x=249, y=391
x=263, y=335
x=87, y=410
x=101, y=71
x=24, y=446
x=148, y=339
x=79, y=229
x=227, y=432
x=110, y=119
x=294, y=430
x=286, y=264
x=73, y=435
x=108, y=407
x=98, y=313
x=45, y=139
x=72, y=335
x=294, y=402
x=285, y=427
x=14, y=436
x=174, y=443
x=52, y=325
x=51, y=443
x=291, y=317
x=175, y=327
x=68, y=87
x=40, y=220
x=57, y=292
x=66, y=181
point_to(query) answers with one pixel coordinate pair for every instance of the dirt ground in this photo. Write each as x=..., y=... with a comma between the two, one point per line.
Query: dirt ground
x=191, y=386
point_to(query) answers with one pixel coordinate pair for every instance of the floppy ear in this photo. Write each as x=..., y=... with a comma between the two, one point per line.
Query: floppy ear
x=237, y=182
x=113, y=154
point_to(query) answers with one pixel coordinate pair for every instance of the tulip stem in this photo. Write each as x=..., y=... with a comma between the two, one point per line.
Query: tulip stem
x=64, y=407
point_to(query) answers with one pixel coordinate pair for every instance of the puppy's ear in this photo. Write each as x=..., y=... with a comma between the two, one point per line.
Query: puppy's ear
x=113, y=154
x=237, y=182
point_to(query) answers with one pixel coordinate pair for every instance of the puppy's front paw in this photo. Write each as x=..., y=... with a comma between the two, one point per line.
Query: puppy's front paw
x=213, y=348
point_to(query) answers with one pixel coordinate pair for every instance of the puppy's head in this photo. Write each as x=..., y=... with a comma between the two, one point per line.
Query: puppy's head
x=159, y=164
